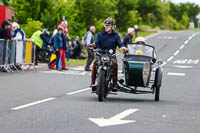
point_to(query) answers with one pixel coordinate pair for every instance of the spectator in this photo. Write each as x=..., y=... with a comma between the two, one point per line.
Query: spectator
x=63, y=49
x=18, y=32
x=89, y=40
x=38, y=38
x=58, y=43
x=5, y=31
x=128, y=38
x=76, y=49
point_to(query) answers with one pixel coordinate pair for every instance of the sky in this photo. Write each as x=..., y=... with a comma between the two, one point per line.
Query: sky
x=184, y=1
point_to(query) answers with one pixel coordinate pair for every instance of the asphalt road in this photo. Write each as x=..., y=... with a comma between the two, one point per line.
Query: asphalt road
x=60, y=102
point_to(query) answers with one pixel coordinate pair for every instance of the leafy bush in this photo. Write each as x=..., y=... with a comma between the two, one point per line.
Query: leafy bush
x=31, y=27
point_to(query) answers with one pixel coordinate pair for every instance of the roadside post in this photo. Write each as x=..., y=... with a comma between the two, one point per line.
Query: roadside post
x=136, y=27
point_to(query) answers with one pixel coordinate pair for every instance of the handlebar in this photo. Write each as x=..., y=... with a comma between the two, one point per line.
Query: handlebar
x=99, y=50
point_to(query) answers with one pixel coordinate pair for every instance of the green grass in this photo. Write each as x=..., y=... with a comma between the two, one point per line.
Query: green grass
x=145, y=33
x=76, y=62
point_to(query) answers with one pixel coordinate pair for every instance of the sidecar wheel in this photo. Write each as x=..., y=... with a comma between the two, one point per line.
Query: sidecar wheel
x=101, y=86
x=157, y=93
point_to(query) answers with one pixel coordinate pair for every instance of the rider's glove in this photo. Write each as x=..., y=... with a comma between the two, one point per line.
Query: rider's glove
x=124, y=49
x=92, y=45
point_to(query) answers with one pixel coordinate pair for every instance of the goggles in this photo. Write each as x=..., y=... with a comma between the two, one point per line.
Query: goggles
x=107, y=25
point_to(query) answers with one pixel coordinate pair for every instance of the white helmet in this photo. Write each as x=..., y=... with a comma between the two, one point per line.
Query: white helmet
x=140, y=39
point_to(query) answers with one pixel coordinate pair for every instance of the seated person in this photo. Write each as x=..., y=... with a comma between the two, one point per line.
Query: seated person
x=141, y=48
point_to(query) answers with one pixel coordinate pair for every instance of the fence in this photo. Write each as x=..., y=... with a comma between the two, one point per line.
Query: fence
x=14, y=54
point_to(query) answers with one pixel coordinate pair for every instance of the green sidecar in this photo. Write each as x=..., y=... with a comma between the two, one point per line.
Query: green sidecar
x=140, y=71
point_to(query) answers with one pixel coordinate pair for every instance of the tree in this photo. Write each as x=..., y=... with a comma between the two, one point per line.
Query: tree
x=31, y=27
x=126, y=15
x=30, y=9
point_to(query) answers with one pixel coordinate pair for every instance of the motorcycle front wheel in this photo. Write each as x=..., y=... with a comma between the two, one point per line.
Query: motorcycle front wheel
x=101, y=85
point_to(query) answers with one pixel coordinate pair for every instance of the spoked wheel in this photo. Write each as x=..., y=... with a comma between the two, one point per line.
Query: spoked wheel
x=157, y=93
x=101, y=85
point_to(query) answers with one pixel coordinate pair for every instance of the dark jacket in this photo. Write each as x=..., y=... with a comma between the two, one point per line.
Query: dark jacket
x=76, y=48
x=127, y=40
x=64, y=41
x=5, y=33
x=108, y=41
x=43, y=37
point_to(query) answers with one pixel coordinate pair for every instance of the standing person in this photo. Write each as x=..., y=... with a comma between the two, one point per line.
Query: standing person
x=18, y=32
x=5, y=32
x=58, y=43
x=38, y=37
x=76, y=48
x=128, y=38
x=63, y=49
x=106, y=40
x=89, y=40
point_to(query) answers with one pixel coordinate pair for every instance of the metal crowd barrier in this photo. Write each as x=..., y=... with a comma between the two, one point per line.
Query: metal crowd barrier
x=14, y=54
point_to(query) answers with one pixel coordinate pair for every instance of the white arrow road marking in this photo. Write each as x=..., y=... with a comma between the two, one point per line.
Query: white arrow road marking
x=176, y=74
x=180, y=61
x=33, y=103
x=115, y=120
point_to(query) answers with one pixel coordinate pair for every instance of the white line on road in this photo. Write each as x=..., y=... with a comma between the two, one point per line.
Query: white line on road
x=176, y=52
x=182, y=46
x=183, y=66
x=74, y=92
x=164, y=63
x=176, y=74
x=186, y=42
x=33, y=103
x=190, y=37
x=170, y=58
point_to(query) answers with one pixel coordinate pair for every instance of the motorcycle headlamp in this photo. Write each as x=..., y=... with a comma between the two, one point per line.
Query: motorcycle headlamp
x=105, y=58
x=111, y=51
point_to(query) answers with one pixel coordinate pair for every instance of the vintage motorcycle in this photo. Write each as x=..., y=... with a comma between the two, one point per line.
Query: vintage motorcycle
x=104, y=73
x=140, y=72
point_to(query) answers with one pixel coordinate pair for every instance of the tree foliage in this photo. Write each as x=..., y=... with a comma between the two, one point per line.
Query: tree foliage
x=81, y=14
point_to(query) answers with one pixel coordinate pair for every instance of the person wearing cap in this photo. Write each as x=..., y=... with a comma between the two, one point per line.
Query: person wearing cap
x=18, y=32
x=106, y=40
x=128, y=38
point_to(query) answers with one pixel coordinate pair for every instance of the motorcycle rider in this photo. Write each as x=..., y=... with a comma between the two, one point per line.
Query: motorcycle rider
x=107, y=39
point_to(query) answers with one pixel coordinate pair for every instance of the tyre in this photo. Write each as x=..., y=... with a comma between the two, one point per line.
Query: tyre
x=101, y=85
x=157, y=93
x=158, y=83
